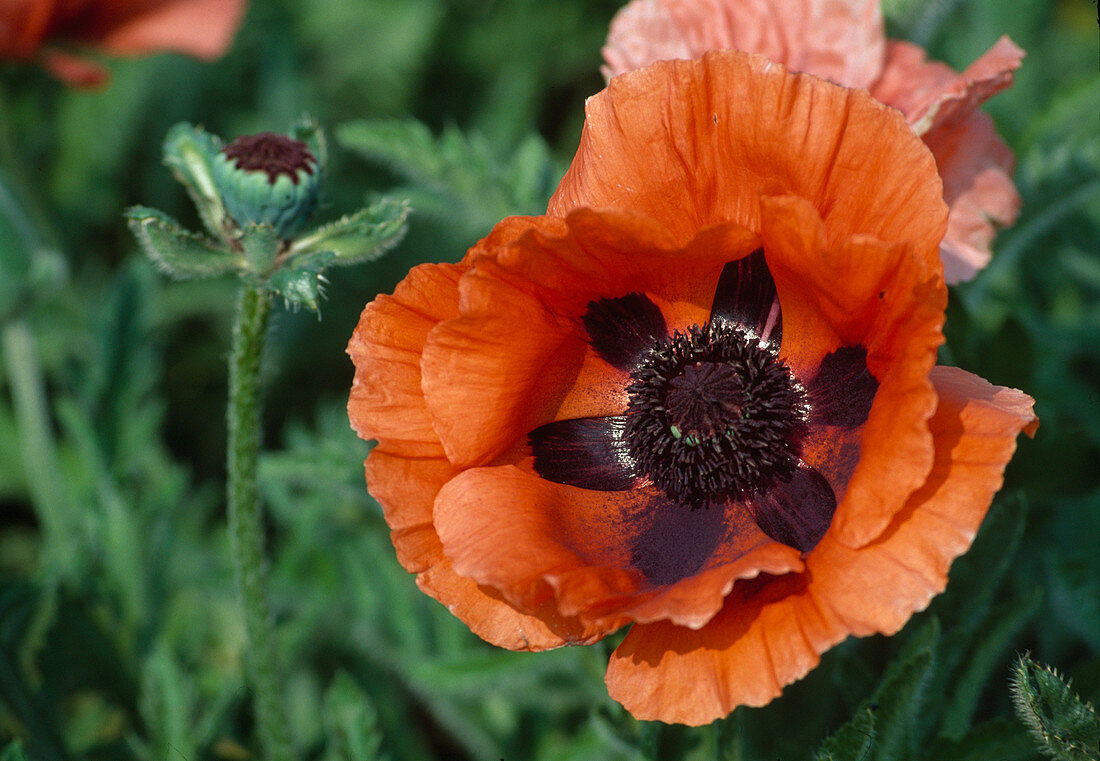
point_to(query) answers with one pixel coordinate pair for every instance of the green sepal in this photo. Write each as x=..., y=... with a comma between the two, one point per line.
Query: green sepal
x=1065, y=727
x=303, y=284
x=179, y=252
x=359, y=237
x=260, y=244
x=190, y=151
x=309, y=132
x=13, y=752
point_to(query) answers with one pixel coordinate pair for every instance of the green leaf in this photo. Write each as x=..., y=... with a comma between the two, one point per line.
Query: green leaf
x=177, y=251
x=1066, y=728
x=996, y=740
x=984, y=661
x=887, y=722
x=359, y=237
x=189, y=152
x=852, y=742
x=168, y=703
x=457, y=178
x=351, y=722
x=14, y=752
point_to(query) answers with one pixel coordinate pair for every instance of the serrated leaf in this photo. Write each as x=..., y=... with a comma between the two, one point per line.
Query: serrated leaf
x=852, y=742
x=359, y=237
x=890, y=728
x=177, y=251
x=189, y=152
x=459, y=178
x=898, y=699
x=1066, y=728
x=351, y=722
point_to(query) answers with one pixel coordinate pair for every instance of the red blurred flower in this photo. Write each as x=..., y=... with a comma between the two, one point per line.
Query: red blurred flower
x=699, y=396
x=844, y=41
x=31, y=30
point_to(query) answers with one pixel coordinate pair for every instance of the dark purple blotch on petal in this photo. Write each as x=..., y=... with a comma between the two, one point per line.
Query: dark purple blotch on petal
x=587, y=452
x=842, y=391
x=746, y=296
x=676, y=540
x=796, y=512
x=621, y=329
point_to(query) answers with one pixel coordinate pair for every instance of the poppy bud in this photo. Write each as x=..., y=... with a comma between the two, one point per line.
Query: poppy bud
x=268, y=179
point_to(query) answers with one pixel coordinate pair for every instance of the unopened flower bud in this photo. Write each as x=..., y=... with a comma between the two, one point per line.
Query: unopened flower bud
x=268, y=178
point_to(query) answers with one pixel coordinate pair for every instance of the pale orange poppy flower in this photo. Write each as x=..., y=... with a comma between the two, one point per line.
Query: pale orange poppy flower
x=698, y=397
x=33, y=29
x=844, y=41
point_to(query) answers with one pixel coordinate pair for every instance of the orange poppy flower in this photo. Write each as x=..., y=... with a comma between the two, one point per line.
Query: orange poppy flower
x=698, y=396
x=29, y=30
x=844, y=41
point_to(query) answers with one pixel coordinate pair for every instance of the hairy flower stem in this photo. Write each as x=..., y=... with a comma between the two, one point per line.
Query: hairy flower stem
x=245, y=524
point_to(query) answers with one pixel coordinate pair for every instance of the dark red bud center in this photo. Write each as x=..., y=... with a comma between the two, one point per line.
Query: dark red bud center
x=271, y=153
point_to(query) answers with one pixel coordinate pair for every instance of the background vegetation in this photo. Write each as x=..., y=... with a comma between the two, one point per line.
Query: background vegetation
x=119, y=635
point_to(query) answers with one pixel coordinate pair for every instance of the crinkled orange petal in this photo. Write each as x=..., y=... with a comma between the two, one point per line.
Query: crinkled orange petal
x=976, y=167
x=838, y=40
x=695, y=143
x=540, y=542
x=772, y=631
x=890, y=301
x=386, y=401
x=200, y=28
x=408, y=467
x=517, y=357
x=932, y=95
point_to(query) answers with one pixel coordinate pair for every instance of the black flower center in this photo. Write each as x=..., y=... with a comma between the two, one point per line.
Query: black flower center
x=714, y=416
x=271, y=153
x=714, y=419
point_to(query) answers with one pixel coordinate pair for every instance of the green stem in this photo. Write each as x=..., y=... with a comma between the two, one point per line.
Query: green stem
x=245, y=524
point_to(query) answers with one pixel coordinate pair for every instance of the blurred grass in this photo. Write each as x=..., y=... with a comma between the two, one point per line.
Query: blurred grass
x=130, y=648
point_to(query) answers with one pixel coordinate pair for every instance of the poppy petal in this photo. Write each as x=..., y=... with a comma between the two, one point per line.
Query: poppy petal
x=405, y=483
x=590, y=453
x=843, y=389
x=976, y=166
x=746, y=296
x=518, y=355
x=386, y=401
x=796, y=512
x=932, y=95
x=200, y=28
x=621, y=329
x=721, y=131
x=591, y=551
x=771, y=633
x=841, y=42
x=887, y=299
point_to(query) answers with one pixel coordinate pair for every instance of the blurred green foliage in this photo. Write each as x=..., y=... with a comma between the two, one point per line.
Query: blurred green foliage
x=119, y=633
